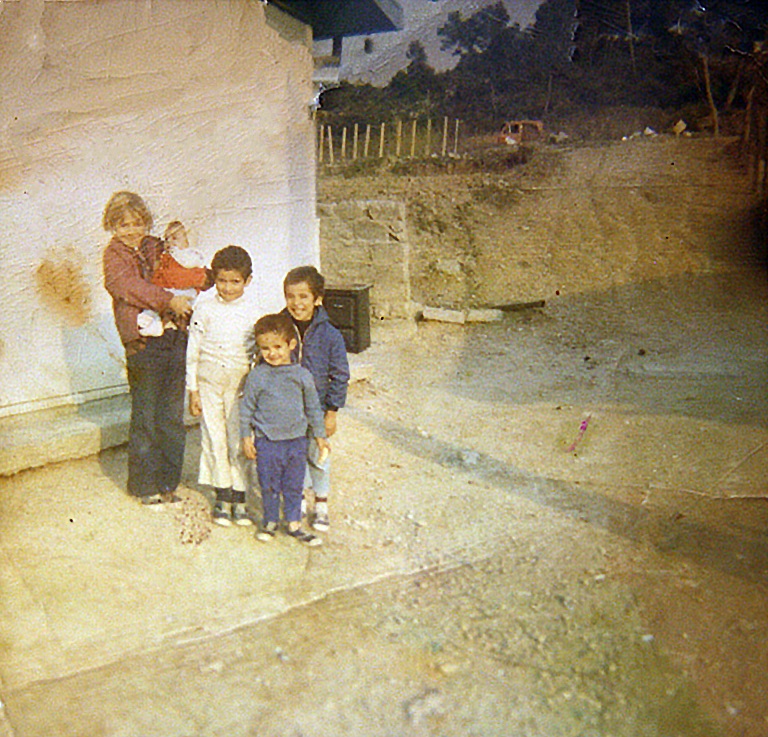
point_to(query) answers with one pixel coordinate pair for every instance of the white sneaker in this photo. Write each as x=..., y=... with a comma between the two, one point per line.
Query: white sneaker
x=321, y=523
x=240, y=515
x=266, y=533
x=222, y=514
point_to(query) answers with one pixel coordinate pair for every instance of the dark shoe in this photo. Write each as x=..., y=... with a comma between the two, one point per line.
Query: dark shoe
x=267, y=532
x=222, y=514
x=240, y=516
x=305, y=537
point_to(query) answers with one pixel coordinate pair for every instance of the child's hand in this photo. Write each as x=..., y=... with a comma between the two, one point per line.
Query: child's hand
x=330, y=423
x=324, y=448
x=195, y=405
x=180, y=305
x=249, y=449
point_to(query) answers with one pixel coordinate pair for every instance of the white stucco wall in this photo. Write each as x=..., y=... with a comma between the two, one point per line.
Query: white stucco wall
x=200, y=106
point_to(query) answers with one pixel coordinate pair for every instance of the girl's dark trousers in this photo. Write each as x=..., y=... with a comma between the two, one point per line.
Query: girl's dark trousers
x=156, y=377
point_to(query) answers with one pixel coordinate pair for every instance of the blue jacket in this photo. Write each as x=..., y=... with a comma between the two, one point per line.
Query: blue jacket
x=324, y=353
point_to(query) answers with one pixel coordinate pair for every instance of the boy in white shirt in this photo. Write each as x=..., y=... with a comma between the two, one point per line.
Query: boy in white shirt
x=219, y=353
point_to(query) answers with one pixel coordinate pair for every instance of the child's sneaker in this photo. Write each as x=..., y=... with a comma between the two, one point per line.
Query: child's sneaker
x=267, y=532
x=305, y=537
x=222, y=514
x=240, y=516
x=320, y=522
x=169, y=496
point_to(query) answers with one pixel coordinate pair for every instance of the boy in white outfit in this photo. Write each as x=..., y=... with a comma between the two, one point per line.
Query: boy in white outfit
x=219, y=353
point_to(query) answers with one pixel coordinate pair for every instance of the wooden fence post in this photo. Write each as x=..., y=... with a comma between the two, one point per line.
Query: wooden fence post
x=456, y=137
x=756, y=146
x=381, y=140
x=444, y=147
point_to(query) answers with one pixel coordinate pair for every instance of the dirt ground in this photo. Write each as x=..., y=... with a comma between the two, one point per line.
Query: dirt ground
x=551, y=525
x=648, y=257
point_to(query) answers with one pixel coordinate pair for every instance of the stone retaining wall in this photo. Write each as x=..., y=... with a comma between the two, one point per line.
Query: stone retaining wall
x=366, y=242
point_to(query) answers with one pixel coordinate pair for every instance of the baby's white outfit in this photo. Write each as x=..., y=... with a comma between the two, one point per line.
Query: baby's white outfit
x=149, y=322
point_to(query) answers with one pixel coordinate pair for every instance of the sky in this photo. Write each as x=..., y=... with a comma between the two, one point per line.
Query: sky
x=422, y=18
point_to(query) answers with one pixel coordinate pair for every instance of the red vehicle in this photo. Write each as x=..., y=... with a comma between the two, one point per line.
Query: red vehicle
x=515, y=132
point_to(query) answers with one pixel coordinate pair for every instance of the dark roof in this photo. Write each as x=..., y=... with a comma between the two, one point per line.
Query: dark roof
x=336, y=18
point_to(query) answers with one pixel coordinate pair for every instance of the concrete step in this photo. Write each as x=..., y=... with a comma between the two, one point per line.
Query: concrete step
x=34, y=439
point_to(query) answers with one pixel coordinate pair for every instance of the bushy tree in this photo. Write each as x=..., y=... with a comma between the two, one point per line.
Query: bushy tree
x=579, y=56
x=416, y=89
x=473, y=35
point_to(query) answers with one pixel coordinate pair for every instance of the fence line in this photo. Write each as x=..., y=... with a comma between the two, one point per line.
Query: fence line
x=386, y=142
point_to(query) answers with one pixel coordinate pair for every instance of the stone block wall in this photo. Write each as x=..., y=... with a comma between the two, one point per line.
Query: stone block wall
x=366, y=242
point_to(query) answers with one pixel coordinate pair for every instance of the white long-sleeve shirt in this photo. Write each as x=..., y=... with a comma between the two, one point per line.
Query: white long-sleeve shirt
x=221, y=335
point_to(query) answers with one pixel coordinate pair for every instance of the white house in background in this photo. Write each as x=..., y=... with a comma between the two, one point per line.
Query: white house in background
x=200, y=106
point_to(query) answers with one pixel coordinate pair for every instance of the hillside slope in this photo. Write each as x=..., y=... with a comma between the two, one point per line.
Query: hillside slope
x=570, y=220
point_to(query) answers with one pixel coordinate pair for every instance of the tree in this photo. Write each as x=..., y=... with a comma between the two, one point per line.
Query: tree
x=659, y=43
x=415, y=89
x=713, y=36
x=579, y=56
x=473, y=35
x=553, y=44
x=417, y=56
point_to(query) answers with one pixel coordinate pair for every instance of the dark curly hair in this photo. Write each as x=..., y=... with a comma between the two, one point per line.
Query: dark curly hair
x=232, y=258
x=279, y=323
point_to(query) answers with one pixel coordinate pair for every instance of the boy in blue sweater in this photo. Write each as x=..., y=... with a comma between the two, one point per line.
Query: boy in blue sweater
x=278, y=407
x=323, y=352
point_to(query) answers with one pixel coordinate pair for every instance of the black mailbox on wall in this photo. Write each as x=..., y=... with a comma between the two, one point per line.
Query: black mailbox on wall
x=349, y=309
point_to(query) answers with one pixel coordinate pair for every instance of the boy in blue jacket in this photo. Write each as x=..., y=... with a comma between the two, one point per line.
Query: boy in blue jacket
x=323, y=352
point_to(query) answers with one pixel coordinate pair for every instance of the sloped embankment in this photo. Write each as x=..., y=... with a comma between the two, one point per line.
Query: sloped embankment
x=570, y=220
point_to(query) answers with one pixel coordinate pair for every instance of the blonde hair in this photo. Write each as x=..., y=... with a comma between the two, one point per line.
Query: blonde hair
x=119, y=204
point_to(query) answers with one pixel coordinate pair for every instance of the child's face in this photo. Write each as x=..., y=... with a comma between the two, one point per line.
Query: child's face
x=178, y=238
x=130, y=229
x=275, y=349
x=301, y=302
x=230, y=284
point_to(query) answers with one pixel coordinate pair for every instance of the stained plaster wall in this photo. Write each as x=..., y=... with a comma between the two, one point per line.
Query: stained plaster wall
x=201, y=106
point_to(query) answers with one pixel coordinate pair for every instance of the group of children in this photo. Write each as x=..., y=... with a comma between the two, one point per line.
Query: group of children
x=266, y=390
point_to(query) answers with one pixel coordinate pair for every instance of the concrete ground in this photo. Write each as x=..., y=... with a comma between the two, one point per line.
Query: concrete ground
x=597, y=442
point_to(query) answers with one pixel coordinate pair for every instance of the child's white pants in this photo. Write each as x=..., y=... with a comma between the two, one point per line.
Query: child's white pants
x=222, y=463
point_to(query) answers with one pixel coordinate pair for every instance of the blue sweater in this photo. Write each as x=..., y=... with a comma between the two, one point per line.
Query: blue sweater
x=280, y=403
x=324, y=354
